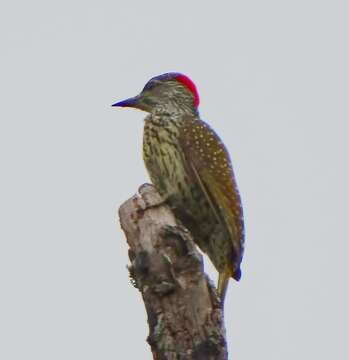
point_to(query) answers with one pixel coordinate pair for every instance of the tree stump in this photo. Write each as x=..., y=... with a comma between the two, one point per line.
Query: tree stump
x=184, y=314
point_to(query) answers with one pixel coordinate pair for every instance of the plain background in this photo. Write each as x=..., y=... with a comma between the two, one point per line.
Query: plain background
x=273, y=78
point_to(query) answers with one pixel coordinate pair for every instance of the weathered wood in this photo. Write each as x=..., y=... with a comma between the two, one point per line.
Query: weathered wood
x=184, y=315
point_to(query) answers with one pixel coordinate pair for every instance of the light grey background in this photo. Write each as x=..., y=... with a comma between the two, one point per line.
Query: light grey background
x=273, y=78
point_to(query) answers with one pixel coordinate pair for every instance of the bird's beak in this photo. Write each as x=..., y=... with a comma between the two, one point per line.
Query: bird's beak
x=134, y=102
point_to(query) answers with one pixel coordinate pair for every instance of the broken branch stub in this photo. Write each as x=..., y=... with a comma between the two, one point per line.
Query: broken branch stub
x=184, y=315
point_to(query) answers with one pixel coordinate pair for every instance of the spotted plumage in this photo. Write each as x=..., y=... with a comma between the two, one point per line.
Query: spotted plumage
x=192, y=170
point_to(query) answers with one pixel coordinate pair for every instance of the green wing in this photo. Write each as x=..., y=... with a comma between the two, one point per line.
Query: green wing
x=211, y=167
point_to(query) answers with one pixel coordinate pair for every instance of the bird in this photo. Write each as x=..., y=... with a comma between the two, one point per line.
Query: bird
x=191, y=168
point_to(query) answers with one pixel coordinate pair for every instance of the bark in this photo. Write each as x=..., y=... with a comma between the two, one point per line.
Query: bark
x=184, y=315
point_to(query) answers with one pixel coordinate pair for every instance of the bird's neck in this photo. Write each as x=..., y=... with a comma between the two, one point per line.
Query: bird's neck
x=175, y=110
x=170, y=118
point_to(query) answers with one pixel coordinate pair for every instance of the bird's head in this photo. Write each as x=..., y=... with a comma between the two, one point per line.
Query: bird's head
x=170, y=92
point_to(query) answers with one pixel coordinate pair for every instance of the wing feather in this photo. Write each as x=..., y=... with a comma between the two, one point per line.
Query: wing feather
x=211, y=167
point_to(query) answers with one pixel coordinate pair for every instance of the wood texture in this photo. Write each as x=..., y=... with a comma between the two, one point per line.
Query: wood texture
x=184, y=315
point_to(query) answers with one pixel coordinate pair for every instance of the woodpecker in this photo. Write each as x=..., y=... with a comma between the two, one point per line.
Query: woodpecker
x=190, y=167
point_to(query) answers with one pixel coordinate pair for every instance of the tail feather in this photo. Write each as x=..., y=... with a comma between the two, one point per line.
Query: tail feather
x=223, y=281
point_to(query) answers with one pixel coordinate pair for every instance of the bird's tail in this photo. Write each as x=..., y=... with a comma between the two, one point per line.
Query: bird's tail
x=223, y=281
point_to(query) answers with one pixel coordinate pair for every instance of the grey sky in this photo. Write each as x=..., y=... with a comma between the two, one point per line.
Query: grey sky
x=273, y=78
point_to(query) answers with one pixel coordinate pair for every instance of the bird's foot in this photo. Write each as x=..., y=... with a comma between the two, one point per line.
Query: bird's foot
x=150, y=199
